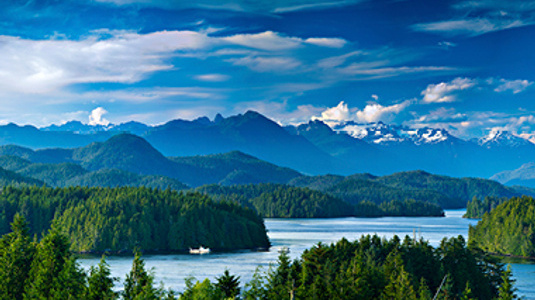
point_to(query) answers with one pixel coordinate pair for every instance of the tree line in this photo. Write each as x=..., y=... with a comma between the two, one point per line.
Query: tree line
x=284, y=201
x=368, y=268
x=121, y=219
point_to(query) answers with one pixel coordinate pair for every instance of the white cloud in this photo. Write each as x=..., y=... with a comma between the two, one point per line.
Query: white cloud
x=267, y=40
x=327, y=42
x=375, y=112
x=42, y=66
x=375, y=97
x=212, y=77
x=95, y=118
x=372, y=112
x=492, y=15
x=516, y=86
x=258, y=6
x=471, y=27
x=445, y=91
x=337, y=113
x=266, y=63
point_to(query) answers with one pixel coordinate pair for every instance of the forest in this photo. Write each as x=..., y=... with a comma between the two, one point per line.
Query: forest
x=121, y=219
x=284, y=201
x=509, y=229
x=368, y=268
x=476, y=208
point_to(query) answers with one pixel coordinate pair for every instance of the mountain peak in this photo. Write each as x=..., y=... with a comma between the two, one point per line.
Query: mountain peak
x=499, y=138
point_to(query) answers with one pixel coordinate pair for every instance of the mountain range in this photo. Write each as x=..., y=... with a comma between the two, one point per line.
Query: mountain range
x=312, y=148
x=130, y=160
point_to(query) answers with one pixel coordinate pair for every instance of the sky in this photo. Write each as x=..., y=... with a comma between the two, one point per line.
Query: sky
x=466, y=65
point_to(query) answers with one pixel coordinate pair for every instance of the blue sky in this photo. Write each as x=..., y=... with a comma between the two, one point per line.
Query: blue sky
x=465, y=65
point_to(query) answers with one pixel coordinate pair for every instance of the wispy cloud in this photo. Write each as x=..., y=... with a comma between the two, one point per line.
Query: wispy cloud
x=515, y=86
x=258, y=6
x=212, y=77
x=445, y=91
x=470, y=27
x=476, y=17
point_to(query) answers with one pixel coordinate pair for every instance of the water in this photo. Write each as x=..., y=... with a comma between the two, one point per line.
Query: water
x=301, y=234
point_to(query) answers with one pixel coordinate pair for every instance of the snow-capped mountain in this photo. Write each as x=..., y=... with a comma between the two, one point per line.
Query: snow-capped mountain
x=498, y=138
x=387, y=134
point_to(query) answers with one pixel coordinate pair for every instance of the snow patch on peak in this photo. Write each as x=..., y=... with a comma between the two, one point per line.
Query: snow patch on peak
x=497, y=138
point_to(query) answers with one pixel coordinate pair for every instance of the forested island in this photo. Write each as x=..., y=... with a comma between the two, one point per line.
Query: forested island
x=121, y=219
x=509, y=229
x=284, y=201
x=368, y=268
x=476, y=208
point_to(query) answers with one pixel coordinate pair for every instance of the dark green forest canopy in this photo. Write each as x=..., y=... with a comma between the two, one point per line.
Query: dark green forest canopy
x=284, y=201
x=508, y=229
x=377, y=268
x=446, y=191
x=476, y=208
x=121, y=219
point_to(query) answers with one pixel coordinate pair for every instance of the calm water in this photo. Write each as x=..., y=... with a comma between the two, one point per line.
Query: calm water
x=298, y=235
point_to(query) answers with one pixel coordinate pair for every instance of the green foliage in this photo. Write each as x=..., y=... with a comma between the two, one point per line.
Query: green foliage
x=281, y=201
x=476, y=208
x=139, y=284
x=507, y=290
x=119, y=219
x=100, y=284
x=375, y=268
x=16, y=256
x=228, y=284
x=204, y=290
x=445, y=191
x=507, y=229
x=54, y=273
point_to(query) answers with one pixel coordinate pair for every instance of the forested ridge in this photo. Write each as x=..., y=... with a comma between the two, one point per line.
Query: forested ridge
x=508, y=229
x=476, y=208
x=448, y=192
x=284, y=201
x=121, y=219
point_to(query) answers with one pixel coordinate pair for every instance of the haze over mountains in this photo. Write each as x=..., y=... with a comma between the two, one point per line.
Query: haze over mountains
x=312, y=148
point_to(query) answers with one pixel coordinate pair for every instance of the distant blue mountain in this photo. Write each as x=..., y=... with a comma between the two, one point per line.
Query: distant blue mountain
x=312, y=148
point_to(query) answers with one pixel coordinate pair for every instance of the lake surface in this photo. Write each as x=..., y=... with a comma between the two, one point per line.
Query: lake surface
x=301, y=234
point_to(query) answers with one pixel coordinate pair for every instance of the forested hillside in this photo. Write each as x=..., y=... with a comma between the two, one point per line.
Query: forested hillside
x=283, y=201
x=508, y=229
x=121, y=219
x=476, y=208
x=446, y=191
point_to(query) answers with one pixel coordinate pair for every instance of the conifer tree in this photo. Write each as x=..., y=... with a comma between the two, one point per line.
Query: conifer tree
x=228, y=284
x=54, y=272
x=507, y=291
x=16, y=256
x=100, y=283
x=139, y=283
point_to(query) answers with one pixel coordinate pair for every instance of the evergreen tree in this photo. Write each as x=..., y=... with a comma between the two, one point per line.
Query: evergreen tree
x=423, y=290
x=228, y=284
x=204, y=290
x=100, y=283
x=139, y=283
x=507, y=291
x=54, y=272
x=16, y=256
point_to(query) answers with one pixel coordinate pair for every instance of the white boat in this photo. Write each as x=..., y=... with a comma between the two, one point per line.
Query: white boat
x=201, y=250
x=284, y=250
